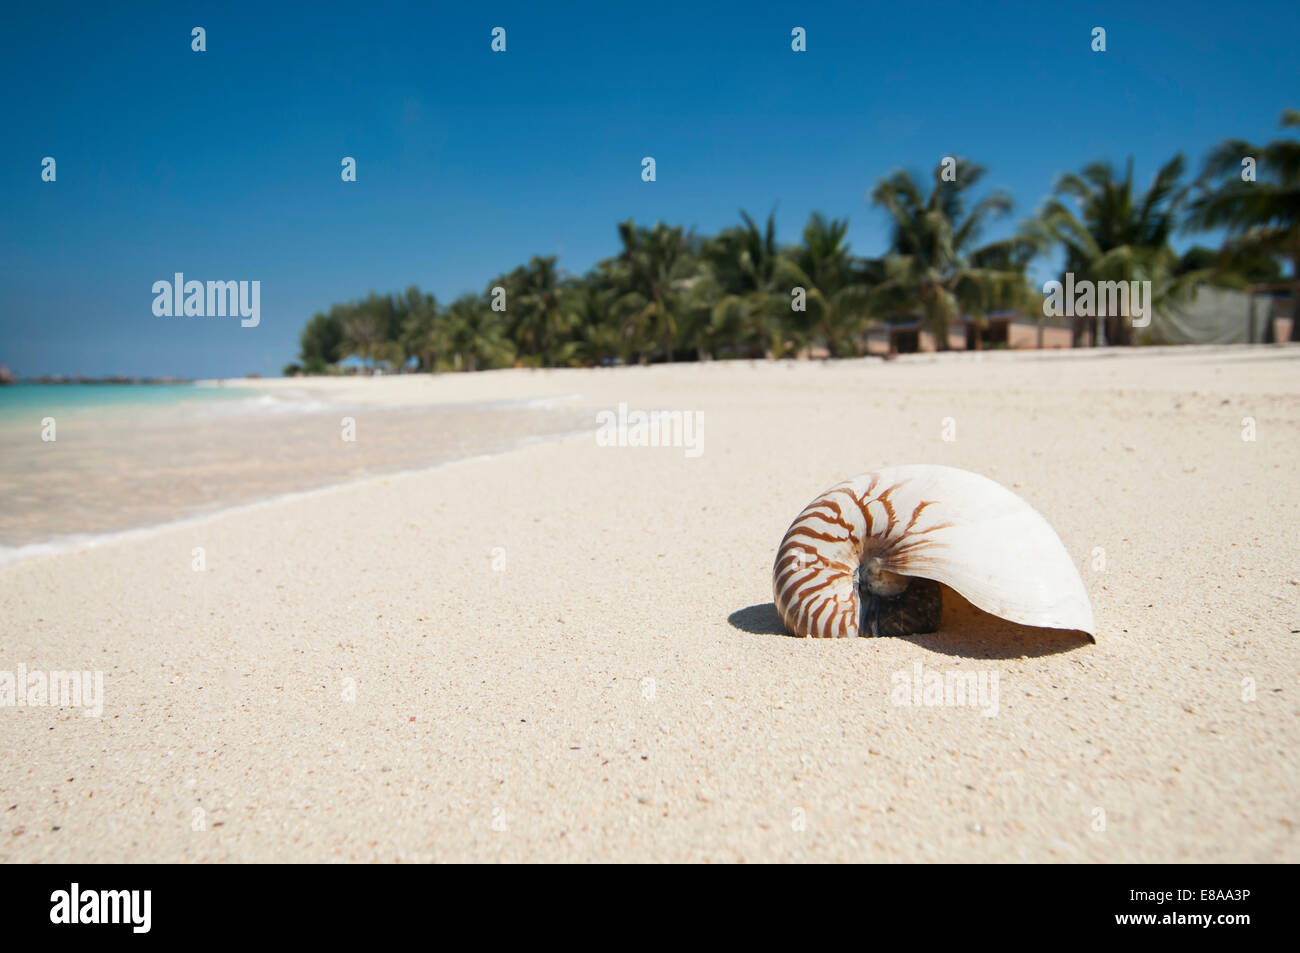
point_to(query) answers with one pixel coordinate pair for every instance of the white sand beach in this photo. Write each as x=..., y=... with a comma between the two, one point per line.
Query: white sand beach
x=567, y=651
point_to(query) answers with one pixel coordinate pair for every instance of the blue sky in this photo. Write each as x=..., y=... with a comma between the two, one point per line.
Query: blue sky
x=225, y=164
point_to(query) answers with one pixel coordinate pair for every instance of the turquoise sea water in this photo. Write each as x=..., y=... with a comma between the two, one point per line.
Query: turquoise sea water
x=25, y=399
x=115, y=458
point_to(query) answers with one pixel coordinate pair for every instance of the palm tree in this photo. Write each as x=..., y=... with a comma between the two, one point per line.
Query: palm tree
x=476, y=335
x=933, y=267
x=321, y=342
x=697, y=302
x=389, y=311
x=754, y=284
x=1262, y=217
x=422, y=329
x=838, y=288
x=363, y=331
x=653, y=264
x=1120, y=236
x=588, y=303
x=539, y=323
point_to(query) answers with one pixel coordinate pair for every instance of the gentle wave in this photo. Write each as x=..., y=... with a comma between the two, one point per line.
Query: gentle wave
x=10, y=555
x=289, y=403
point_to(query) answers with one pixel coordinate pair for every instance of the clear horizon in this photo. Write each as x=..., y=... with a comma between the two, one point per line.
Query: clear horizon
x=225, y=164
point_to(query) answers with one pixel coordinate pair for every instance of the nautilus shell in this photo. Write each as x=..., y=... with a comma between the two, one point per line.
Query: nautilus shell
x=867, y=557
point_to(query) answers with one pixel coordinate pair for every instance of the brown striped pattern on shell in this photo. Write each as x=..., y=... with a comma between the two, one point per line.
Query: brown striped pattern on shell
x=815, y=576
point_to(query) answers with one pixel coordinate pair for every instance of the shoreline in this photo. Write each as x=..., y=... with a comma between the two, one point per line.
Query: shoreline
x=73, y=475
x=58, y=546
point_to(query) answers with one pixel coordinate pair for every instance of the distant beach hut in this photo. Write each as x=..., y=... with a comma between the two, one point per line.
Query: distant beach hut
x=903, y=337
x=994, y=330
x=1001, y=329
x=1014, y=330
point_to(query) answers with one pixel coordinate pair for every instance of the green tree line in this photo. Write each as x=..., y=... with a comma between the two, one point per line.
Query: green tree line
x=670, y=294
